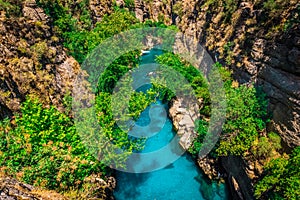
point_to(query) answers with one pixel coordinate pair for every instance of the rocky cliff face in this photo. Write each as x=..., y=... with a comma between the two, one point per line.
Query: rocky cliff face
x=259, y=45
x=32, y=61
x=95, y=188
x=183, y=121
x=11, y=189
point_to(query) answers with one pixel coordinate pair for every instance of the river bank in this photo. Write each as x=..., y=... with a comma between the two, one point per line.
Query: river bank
x=231, y=170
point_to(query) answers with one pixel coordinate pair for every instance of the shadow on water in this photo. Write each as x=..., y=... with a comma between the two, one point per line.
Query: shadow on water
x=206, y=187
x=170, y=166
x=131, y=190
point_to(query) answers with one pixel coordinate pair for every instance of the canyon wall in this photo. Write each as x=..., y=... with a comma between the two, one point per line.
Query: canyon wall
x=260, y=45
x=33, y=61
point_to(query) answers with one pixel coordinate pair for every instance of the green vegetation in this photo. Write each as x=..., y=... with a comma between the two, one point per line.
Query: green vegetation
x=177, y=9
x=129, y=4
x=266, y=146
x=246, y=119
x=11, y=7
x=229, y=53
x=202, y=128
x=246, y=111
x=41, y=147
x=274, y=6
x=72, y=22
x=67, y=16
x=80, y=43
x=282, y=178
x=192, y=75
x=229, y=7
x=246, y=108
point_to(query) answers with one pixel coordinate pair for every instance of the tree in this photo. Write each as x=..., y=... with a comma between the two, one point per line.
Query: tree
x=282, y=178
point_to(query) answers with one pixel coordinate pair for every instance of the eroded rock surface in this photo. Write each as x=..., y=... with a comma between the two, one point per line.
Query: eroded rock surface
x=250, y=43
x=32, y=61
x=11, y=189
x=183, y=115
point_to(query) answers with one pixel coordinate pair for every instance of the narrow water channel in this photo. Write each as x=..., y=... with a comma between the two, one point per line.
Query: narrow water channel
x=181, y=179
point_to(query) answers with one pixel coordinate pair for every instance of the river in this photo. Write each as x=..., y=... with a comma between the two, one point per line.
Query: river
x=181, y=179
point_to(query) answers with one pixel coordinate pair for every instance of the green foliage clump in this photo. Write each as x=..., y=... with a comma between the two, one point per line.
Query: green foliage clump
x=116, y=70
x=246, y=108
x=72, y=22
x=108, y=122
x=11, y=7
x=245, y=117
x=229, y=6
x=267, y=146
x=67, y=16
x=192, y=75
x=80, y=43
x=178, y=9
x=41, y=147
x=202, y=128
x=282, y=178
x=129, y=4
x=39, y=49
x=228, y=49
x=275, y=6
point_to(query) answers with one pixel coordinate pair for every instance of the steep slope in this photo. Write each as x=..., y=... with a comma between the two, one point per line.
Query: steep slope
x=32, y=61
x=258, y=41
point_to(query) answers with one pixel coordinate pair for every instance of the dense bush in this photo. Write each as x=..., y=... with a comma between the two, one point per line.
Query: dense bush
x=41, y=145
x=245, y=117
x=192, y=75
x=202, y=128
x=266, y=146
x=42, y=148
x=282, y=178
x=80, y=43
x=246, y=107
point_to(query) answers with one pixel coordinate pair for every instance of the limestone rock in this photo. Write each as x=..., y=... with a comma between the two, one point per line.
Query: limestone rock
x=100, y=7
x=209, y=167
x=33, y=12
x=11, y=189
x=139, y=10
x=94, y=186
x=183, y=115
x=156, y=10
x=257, y=54
x=97, y=188
x=32, y=61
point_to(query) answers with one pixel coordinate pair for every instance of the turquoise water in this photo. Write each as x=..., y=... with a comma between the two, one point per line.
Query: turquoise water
x=170, y=178
x=179, y=180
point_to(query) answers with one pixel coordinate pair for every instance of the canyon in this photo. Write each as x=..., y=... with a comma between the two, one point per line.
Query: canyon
x=258, y=45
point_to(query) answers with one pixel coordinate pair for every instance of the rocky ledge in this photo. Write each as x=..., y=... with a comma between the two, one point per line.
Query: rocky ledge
x=183, y=115
x=11, y=189
x=33, y=61
x=94, y=188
